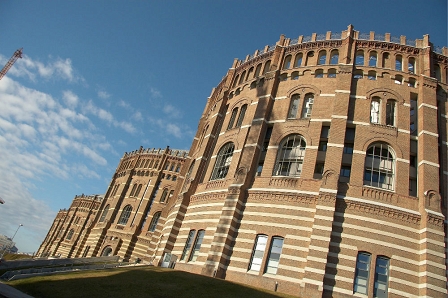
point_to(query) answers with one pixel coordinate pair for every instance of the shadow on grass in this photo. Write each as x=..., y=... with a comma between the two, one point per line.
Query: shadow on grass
x=135, y=282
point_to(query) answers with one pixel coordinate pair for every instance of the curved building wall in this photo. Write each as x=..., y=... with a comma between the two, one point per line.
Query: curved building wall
x=315, y=159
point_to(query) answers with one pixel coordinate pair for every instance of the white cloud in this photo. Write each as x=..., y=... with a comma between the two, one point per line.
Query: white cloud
x=55, y=68
x=155, y=93
x=103, y=94
x=71, y=99
x=171, y=111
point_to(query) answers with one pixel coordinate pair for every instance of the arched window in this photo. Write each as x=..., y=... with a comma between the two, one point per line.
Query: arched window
x=236, y=81
x=294, y=106
x=331, y=73
x=358, y=74
x=298, y=60
x=241, y=116
x=308, y=105
x=150, y=163
x=386, y=60
x=223, y=161
x=188, y=244
x=379, y=166
x=258, y=252
x=243, y=75
x=283, y=77
x=359, y=60
x=137, y=192
x=287, y=62
x=399, y=63
x=319, y=73
x=232, y=118
x=249, y=73
x=371, y=75
x=334, y=57
x=295, y=75
x=267, y=66
x=171, y=191
x=398, y=79
x=390, y=112
x=309, y=57
x=197, y=246
x=133, y=190
x=107, y=251
x=373, y=59
x=322, y=58
x=257, y=71
x=290, y=156
x=70, y=234
x=375, y=110
x=105, y=211
x=125, y=215
x=411, y=65
x=154, y=221
x=164, y=194
x=253, y=85
x=412, y=83
x=437, y=72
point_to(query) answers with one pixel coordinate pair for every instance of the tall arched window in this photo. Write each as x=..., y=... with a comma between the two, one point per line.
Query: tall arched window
x=154, y=221
x=243, y=75
x=236, y=81
x=294, y=106
x=133, y=190
x=105, y=211
x=287, y=62
x=298, y=60
x=232, y=118
x=125, y=215
x=107, y=251
x=386, y=60
x=322, y=57
x=375, y=110
x=290, y=156
x=137, y=192
x=334, y=57
x=390, y=112
x=379, y=166
x=241, y=116
x=267, y=66
x=164, y=194
x=70, y=234
x=359, y=59
x=223, y=161
x=249, y=73
x=309, y=58
x=373, y=59
x=411, y=65
x=308, y=105
x=399, y=63
x=257, y=70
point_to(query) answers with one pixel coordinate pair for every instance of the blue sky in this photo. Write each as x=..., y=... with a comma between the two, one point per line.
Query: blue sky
x=100, y=78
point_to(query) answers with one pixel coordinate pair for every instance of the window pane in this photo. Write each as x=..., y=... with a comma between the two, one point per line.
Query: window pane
x=258, y=252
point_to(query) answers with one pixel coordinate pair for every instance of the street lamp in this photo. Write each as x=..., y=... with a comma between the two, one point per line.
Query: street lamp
x=6, y=247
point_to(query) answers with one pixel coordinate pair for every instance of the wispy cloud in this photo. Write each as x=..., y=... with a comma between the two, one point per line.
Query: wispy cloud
x=103, y=94
x=55, y=68
x=155, y=93
x=171, y=111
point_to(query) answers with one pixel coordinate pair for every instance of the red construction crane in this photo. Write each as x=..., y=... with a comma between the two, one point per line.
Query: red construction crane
x=17, y=54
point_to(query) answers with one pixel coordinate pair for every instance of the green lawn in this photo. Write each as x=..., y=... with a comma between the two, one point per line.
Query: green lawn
x=139, y=281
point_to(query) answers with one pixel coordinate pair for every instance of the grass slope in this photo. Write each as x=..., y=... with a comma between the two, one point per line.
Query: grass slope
x=135, y=282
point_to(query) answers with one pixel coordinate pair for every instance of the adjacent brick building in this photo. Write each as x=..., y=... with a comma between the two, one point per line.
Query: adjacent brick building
x=319, y=168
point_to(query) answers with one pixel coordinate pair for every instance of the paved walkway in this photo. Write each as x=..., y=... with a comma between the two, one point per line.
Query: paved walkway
x=9, y=292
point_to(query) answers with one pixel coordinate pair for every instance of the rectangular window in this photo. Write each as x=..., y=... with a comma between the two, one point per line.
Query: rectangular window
x=197, y=246
x=390, y=113
x=322, y=146
x=258, y=253
x=232, y=118
x=381, y=277
x=348, y=148
x=187, y=244
x=274, y=255
x=361, y=282
x=345, y=171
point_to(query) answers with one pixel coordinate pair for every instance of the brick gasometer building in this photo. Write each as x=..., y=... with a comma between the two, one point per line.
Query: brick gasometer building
x=319, y=168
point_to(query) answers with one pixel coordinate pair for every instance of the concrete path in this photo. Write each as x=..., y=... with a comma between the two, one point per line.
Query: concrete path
x=9, y=292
